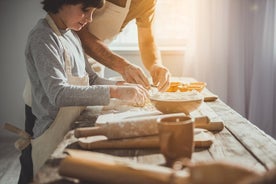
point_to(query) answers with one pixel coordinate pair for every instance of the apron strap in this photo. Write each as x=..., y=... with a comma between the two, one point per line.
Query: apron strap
x=66, y=56
x=23, y=141
x=17, y=131
x=128, y=4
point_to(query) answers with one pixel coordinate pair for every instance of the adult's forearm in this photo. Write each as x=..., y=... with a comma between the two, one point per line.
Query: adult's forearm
x=150, y=55
x=99, y=51
x=149, y=52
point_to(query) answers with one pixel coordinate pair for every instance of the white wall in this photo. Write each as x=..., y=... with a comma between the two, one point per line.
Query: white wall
x=17, y=18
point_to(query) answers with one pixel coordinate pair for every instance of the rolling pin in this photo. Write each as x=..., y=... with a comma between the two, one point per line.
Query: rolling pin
x=135, y=127
x=139, y=127
x=204, y=122
x=103, y=168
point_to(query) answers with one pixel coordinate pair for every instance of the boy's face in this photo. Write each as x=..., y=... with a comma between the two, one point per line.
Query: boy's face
x=75, y=17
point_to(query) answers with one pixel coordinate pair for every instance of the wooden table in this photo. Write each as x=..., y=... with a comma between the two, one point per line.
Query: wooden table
x=239, y=142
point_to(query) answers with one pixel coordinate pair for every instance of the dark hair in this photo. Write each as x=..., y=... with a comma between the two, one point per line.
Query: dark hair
x=53, y=6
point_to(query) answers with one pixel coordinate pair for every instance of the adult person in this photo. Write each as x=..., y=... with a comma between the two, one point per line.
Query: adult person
x=110, y=21
x=62, y=80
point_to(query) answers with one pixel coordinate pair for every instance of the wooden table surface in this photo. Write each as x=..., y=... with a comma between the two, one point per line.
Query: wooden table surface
x=240, y=142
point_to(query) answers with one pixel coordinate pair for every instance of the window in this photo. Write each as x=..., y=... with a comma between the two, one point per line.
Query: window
x=172, y=25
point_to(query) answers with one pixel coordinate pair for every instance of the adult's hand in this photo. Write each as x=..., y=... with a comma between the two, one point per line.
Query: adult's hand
x=160, y=77
x=134, y=94
x=134, y=74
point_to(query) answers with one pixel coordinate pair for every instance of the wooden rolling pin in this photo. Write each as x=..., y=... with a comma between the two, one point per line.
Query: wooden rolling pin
x=139, y=127
x=135, y=127
x=203, y=139
x=103, y=168
x=204, y=122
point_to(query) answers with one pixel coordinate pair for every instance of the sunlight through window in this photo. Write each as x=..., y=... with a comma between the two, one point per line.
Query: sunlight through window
x=173, y=25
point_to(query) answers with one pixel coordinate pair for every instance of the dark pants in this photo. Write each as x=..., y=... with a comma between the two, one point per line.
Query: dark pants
x=26, y=173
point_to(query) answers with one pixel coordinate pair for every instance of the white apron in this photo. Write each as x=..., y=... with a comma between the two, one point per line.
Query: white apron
x=106, y=25
x=44, y=145
x=108, y=20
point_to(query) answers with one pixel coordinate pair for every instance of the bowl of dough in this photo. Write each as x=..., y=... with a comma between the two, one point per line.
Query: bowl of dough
x=167, y=102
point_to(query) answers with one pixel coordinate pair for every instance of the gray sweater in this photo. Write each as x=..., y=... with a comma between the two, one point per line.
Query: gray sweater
x=50, y=89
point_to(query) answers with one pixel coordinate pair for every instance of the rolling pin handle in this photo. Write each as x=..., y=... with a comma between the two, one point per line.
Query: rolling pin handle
x=203, y=120
x=89, y=131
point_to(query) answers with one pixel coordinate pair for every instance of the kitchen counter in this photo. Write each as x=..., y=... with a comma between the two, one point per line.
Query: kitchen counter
x=240, y=142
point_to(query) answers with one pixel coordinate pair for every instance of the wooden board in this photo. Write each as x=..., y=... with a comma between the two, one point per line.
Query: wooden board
x=202, y=138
